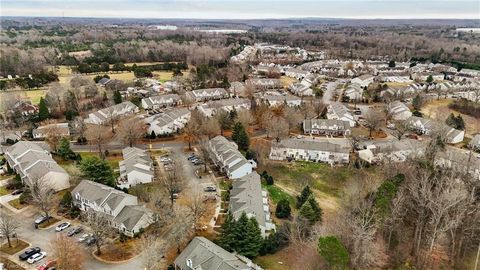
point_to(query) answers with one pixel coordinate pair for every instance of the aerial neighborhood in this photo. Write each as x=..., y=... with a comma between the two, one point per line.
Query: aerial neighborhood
x=180, y=147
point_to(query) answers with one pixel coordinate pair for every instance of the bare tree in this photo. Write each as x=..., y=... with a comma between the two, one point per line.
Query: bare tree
x=53, y=134
x=374, y=119
x=245, y=117
x=152, y=249
x=191, y=130
x=112, y=118
x=278, y=128
x=41, y=193
x=100, y=226
x=204, y=152
x=196, y=206
x=98, y=136
x=293, y=117
x=401, y=128
x=173, y=181
x=8, y=226
x=318, y=107
x=210, y=127
x=131, y=130
x=68, y=253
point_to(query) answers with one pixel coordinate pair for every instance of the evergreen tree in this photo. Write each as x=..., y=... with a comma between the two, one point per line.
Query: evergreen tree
x=97, y=170
x=248, y=237
x=117, y=98
x=283, y=209
x=105, y=98
x=336, y=255
x=153, y=135
x=227, y=236
x=43, y=112
x=429, y=79
x=306, y=192
x=311, y=211
x=240, y=137
x=64, y=149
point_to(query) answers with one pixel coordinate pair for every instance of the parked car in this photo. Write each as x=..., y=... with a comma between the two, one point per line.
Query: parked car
x=174, y=195
x=47, y=265
x=41, y=220
x=84, y=237
x=17, y=191
x=28, y=253
x=199, y=162
x=74, y=231
x=37, y=257
x=62, y=226
x=90, y=241
x=210, y=189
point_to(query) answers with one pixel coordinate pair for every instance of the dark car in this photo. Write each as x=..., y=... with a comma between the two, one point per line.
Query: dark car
x=74, y=231
x=17, y=191
x=209, y=189
x=90, y=241
x=28, y=253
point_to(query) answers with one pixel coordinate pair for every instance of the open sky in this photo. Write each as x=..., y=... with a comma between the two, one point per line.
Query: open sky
x=244, y=9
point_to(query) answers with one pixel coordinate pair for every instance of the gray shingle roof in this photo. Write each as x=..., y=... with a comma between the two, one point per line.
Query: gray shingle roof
x=131, y=215
x=311, y=145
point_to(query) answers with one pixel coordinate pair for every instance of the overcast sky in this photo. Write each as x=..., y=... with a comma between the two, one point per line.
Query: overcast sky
x=244, y=9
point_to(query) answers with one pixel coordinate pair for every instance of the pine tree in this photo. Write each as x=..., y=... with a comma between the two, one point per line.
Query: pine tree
x=248, y=236
x=64, y=149
x=227, y=236
x=43, y=112
x=283, y=209
x=117, y=98
x=306, y=192
x=153, y=135
x=240, y=137
x=311, y=211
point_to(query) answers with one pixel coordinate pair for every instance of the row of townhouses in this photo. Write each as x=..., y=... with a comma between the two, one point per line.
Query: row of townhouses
x=162, y=101
x=168, y=122
x=207, y=94
x=338, y=111
x=104, y=115
x=399, y=111
x=136, y=167
x=226, y=156
x=120, y=208
x=59, y=129
x=330, y=127
x=430, y=127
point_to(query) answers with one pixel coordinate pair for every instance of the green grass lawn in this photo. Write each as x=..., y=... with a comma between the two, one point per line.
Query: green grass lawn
x=113, y=159
x=270, y=262
x=276, y=194
x=3, y=191
x=322, y=177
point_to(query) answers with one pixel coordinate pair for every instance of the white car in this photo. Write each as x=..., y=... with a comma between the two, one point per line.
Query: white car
x=62, y=226
x=84, y=237
x=37, y=257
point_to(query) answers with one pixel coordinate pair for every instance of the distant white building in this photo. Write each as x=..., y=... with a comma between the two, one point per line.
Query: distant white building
x=277, y=99
x=300, y=89
x=393, y=150
x=61, y=129
x=232, y=104
x=157, y=102
x=326, y=127
x=296, y=73
x=207, y=94
x=263, y=83
x=398, y=110
x=338, y=111
x=354, y=92
x=104, y=115
x=168, y=122
x=228, y=159
x=309, y=150
x=364, y=80
x=135, y=168
x=430, y=128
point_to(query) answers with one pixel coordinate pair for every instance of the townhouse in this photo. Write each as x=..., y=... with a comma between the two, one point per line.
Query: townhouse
x=135, y=168
x=263, y=83
x=475, y=142
x=168, y=122
x=330, y=127
x=429, y=127
x=121, y=209
x=338, y=111
x=296, y=73
x=203, y=254
x=162, y=101
x=398, y=110
x=309, y=150
x=207, y=94
x=237, y=89
x=61, y=129
x=363, y=80
x=354, y=92
x=33, y=162
x=423, y=76
x=247, y=196
x=392, y=150
x=102, y=116
x=233, y=104
x=228, y=159
x=274, y=99
x=300, y=89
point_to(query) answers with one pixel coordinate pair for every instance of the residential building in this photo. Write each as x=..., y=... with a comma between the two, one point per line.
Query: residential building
x=296, y=73
x=33, y=162
x=207, y=94
x=263, y=83
x=398, y=110
x=300, y=89
x=60, y=129
x=329, y=127
x=274, y=99
x=228, y=159
x=247, y=196
x=135, y=168
x=163, y=101
x=232, y=104
x=237, y=89
x=338, y=111
x=120, y=208
x=459, y=160
x=354, y=92
x=168, y=122
x=393, y=150
x=429, y=127
x=202, y=254
x=364, y=80
x=309, y=150
x=102, y=116
x=475, y=142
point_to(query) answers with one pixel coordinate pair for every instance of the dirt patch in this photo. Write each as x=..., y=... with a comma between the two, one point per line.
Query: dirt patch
x=16, y=203
x=119, y=251
x=48, y=223
x=438, y=110
x=17, y=245
x=10, y=265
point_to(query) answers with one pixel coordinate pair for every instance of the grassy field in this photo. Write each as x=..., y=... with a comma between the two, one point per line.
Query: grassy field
x=33, y=95
x=3, y=191
x=276, y=194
